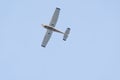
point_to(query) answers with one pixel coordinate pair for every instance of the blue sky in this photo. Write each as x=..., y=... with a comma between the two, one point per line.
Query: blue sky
x=92, y=51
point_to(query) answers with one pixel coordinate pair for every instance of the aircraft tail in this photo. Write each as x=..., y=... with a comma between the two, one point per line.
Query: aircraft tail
x=66, y=34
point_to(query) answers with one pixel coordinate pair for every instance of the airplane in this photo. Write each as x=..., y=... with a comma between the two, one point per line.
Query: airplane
x=51, y=28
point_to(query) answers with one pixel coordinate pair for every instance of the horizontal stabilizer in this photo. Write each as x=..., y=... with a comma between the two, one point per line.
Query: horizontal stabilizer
x=66, y=34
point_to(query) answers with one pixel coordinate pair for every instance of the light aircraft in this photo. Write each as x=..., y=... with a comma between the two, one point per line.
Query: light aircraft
x=51, y=28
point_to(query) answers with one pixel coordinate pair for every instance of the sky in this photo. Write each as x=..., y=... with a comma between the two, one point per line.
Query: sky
x=91, y=52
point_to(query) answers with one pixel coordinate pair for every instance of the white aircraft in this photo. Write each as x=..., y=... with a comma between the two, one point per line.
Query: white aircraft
x=51, y=28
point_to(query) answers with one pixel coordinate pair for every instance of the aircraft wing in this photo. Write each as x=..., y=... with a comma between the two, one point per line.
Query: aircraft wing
x=55, y=17
x=46, y=38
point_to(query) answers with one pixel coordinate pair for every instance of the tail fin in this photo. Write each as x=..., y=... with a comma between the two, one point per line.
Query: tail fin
x=66, y=34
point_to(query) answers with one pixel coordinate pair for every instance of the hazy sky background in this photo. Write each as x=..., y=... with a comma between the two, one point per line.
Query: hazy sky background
x=92, y=51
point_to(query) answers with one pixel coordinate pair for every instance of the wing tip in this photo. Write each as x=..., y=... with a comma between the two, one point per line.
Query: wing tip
x=64, y=39
x=57, y=8
x=68, y=28
x=43, y=46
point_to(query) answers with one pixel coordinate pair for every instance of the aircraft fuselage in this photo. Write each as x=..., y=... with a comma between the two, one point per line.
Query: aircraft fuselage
x=51, y=28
